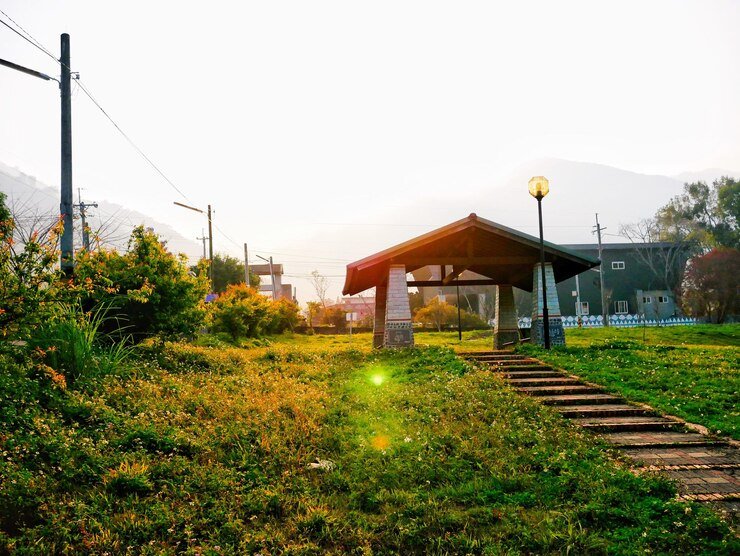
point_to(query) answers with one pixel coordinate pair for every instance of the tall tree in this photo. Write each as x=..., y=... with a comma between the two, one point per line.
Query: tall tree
x=710, y=287
x=708, y=214
x=320, y=285
x=229, y=271
x=662, y=248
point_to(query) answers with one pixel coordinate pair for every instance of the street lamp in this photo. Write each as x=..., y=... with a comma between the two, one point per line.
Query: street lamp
x=272, y=276
x=538, y=188
x=210, y=236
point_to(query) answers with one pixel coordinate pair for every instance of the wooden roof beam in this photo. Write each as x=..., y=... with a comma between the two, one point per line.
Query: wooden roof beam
x=456, y=271
x=464, y=261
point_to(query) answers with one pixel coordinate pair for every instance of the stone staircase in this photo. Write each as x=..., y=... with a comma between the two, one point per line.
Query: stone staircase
x=706, y=468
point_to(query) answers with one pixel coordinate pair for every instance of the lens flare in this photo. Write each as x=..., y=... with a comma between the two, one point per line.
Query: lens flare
x=377, y=379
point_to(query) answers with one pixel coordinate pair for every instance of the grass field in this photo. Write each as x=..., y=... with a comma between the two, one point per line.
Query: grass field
x=310, y=446
x=692, y=372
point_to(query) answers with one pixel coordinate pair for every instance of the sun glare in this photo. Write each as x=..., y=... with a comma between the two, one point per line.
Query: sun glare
x=377, y=379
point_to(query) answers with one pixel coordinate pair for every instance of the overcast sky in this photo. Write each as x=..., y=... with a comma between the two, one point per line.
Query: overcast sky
x=292, y=118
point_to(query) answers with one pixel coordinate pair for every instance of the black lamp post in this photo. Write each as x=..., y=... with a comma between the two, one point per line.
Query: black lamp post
x=538, y=188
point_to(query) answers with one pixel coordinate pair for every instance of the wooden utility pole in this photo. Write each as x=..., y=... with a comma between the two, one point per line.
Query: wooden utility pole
x=210, y=246
x=203, y=238
x=604, y=307
x=82, y=206
x=65, y=206
x=246, y=265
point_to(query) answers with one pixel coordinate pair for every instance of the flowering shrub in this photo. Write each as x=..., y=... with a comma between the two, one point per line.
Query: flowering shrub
x=26, y=278
x=242, y=312
x=149, y=289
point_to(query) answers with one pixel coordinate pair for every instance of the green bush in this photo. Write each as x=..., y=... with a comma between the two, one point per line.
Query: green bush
x=242, y=312
x=75, y=345
x=152, y=290
x=27, y=276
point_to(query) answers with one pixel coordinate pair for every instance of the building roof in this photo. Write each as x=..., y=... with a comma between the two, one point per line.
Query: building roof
x=502, y=254
x=622, y=246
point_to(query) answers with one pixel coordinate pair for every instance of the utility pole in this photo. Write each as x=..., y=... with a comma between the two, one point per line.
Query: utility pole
x=272, y=279
x=65, y=206
x=210, y=237
x=272, y=275
x=604, y=308
x=246, y=265
x=85, y=230
x=210, y=246
x=203, y=239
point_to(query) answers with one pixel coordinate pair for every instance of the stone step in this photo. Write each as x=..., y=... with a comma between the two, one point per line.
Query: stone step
x=530, y=374
x=507, y=362
x=602, y=410
x=558, y=390
x=579, y=399
x=659, y=439
x=628, y=423
x=488, y=353
x=533, y=367
x=546, y=381
x=498, y=358
x=678, y=456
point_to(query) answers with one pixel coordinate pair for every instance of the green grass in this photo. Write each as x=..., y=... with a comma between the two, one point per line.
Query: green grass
x=202, y=450
x=692, y=372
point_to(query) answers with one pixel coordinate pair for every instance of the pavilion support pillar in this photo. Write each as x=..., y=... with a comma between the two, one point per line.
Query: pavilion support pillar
x=557, y=333
x=379, y=320
x=506, y=329
x=398, y=331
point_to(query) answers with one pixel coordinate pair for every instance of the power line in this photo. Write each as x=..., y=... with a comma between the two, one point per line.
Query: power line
x=130, y=141
x=31, y=40
x=27, y=37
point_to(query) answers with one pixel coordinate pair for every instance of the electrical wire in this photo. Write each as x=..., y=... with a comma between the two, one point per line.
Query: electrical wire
x=131, y=142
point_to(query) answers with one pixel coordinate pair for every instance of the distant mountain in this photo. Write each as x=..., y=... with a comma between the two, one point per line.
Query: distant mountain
x=578, y=190
x=32, y=200
x=707, y=176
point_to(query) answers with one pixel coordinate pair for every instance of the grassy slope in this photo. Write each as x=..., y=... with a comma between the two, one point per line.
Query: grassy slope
x=692, y=372
x=202, y=450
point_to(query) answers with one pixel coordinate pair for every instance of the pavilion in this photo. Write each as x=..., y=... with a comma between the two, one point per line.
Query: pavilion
x=502, y=256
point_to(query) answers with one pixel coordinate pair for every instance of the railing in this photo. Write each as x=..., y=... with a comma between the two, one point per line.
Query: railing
x=618, y=321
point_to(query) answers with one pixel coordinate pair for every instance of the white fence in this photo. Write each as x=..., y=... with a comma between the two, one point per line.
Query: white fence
x=619, y=321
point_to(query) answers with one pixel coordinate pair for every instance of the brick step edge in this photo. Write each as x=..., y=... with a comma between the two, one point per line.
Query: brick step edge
x=688, y=467
x=710, y=497
x=647, y=426
x=586, y=413
x=579, y=399
x=684, y=444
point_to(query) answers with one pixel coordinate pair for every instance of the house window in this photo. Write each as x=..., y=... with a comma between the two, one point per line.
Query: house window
x=620, y=307
x=617, y=265
x=662, y=299
x=584, y=308
x=647, y=299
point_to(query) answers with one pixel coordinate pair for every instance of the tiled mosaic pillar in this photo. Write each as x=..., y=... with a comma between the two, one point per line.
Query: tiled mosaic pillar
x=506, y=329
x=557, y=334
x=398, y=329
x=379, y=320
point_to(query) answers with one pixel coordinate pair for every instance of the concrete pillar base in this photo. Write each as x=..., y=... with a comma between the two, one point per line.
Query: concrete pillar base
x=379, y=320
x=557, y=332
x=506, y=329
x=505, y=338
x=399, y=331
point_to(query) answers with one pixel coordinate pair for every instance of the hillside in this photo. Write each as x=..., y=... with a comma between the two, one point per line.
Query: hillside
x=33, y=200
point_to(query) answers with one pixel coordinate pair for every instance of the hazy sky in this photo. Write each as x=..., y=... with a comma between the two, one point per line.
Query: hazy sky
x=294, y=118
